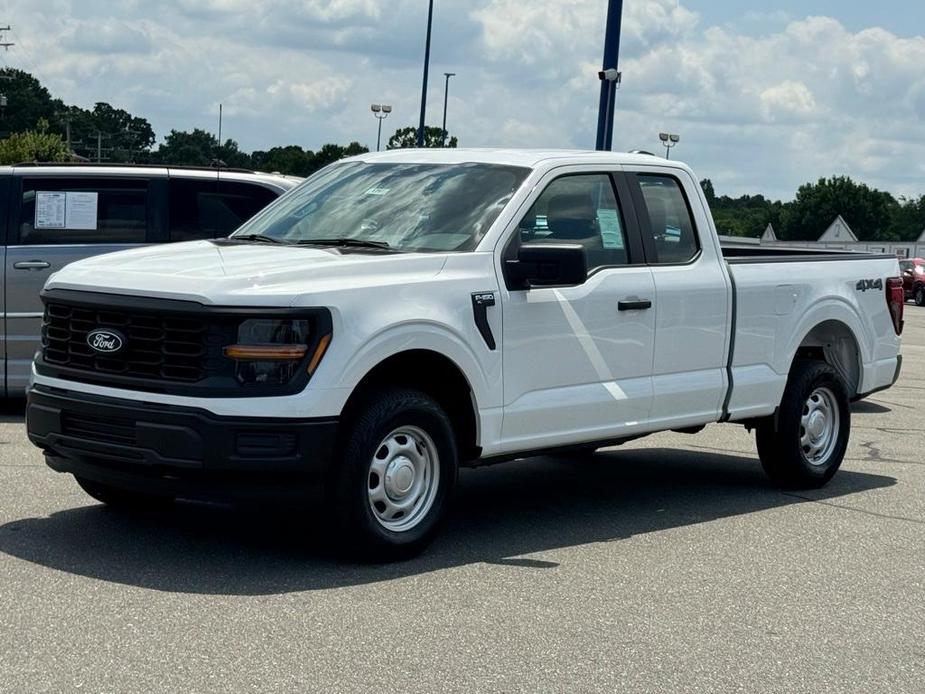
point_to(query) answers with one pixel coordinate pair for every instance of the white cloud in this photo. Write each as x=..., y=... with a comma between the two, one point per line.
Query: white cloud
x=758, y=113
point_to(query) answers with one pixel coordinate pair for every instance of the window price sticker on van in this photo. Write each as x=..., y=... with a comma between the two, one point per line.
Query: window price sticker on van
x=60, y=210
x=80, y=210
x=50, y=210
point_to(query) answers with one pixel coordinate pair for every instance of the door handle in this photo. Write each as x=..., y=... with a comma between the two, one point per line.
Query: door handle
x=634, y=305
x=31, y=265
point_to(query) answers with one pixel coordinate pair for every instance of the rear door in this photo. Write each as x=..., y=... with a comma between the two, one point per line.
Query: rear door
x=692, y=298
x=57, y=219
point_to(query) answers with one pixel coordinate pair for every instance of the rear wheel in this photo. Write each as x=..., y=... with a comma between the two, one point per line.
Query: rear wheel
x=398, y=468
x=806, y=445
x=123, y=499
x=919, y=295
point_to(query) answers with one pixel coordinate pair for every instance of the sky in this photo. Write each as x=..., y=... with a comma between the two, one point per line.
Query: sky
x=765, y=96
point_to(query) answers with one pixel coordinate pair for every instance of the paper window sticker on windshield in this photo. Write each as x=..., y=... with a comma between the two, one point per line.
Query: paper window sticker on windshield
x=673, y=234
x=80, y=211
x=49, y=210
x=377, y=191
x=609, y=222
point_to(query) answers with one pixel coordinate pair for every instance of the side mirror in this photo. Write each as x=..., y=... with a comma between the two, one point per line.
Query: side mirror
x=547, y=265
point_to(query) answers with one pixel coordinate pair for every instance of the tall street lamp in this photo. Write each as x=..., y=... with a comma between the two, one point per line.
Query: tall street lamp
x=446, y=96
x=669, y=140
x=430, y=22
x=381, y=112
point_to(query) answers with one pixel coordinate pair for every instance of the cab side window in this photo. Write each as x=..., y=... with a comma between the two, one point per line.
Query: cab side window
x=86, y=210
x=579, y=209
x=670, y=222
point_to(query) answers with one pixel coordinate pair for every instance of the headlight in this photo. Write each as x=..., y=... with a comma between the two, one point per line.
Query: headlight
x=272, y=351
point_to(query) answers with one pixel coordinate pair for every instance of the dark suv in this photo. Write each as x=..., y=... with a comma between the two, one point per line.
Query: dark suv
x=914, y=279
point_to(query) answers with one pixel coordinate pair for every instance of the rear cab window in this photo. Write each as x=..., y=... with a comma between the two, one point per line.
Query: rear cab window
x=85, y=210
x=671, y=237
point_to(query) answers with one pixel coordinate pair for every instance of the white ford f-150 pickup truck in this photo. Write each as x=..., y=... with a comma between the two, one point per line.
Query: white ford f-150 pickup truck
x=399, y=315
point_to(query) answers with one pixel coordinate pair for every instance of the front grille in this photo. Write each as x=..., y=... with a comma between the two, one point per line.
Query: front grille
x=163, y=347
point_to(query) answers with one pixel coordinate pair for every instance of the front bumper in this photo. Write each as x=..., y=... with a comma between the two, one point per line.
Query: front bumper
x=180, y=451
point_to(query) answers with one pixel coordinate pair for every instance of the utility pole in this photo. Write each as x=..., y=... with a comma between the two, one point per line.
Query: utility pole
x=5, y=44
x=430, y=22
x=608, y=86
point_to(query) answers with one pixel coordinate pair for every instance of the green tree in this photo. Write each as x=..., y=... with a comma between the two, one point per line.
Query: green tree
x=28, y=102
x=408, y=137
x=124, y=137
x=295, y=161
x=198, y=148
x=908, y=219
x=33, y=145
x=868, y=211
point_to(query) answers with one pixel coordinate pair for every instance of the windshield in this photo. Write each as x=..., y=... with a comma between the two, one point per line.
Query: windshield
x=409, y=207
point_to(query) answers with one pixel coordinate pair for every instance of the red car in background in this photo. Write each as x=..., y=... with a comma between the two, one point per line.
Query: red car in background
x=914, y=279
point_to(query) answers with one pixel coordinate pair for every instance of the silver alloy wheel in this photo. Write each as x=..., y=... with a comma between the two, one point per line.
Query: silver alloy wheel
x=404, y=476
x=819, y=426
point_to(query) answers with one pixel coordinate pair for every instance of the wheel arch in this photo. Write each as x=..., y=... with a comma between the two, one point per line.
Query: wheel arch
x=434, y=374
x=834, y=342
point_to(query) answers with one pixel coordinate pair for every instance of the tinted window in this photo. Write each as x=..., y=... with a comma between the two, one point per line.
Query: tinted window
x=669, y=219
x=579, y=209
x=203, y=208
x=410, y=207
x=83, y=210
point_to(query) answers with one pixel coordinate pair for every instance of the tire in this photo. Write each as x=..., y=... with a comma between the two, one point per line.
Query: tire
x=807, y=445
x=123, y=499
x=919, y=295
x=397, y=469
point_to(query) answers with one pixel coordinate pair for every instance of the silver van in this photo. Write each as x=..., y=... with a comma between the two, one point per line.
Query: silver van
x=54, y=214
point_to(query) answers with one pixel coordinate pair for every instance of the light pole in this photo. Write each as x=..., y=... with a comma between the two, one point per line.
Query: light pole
x=381, y=112
x=613, y=78
x=430, y=22
x=608, y=90
x=669, y=140
x=446, y=96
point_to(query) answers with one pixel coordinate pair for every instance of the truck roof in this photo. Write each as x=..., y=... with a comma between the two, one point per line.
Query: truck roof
x=531, y=158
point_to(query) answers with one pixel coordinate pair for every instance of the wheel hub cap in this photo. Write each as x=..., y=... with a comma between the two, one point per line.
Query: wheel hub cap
x=404, y=476
x=819, y=426
x=399, y=476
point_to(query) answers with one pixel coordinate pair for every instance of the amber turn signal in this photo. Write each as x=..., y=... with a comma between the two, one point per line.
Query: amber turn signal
x=319, y=352
x=266, y=352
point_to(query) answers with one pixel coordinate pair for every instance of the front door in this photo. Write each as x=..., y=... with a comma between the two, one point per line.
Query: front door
x=578, y=360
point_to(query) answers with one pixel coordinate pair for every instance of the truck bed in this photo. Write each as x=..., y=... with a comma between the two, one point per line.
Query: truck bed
x=781, y=297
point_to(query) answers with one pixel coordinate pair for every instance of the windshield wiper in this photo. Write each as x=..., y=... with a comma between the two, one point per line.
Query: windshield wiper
x=343, y=242
x=255, y=237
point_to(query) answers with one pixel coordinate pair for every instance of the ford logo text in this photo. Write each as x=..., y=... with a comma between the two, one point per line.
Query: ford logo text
x=105, y=341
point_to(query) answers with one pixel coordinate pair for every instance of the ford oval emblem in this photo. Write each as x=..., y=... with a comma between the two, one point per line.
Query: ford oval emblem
x=105, y=341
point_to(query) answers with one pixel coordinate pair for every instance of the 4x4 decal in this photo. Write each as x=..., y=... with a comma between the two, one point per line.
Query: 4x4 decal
x=864, y=285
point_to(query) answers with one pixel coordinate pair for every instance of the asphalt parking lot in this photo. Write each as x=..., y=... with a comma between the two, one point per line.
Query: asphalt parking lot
x=669, y=563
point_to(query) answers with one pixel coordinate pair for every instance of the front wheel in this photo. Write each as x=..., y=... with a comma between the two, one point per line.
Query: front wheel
x=920, y=295
x=398, y=467
x=806, y=445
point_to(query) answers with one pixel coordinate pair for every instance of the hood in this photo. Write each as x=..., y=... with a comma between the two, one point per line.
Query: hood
x=242, y=274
